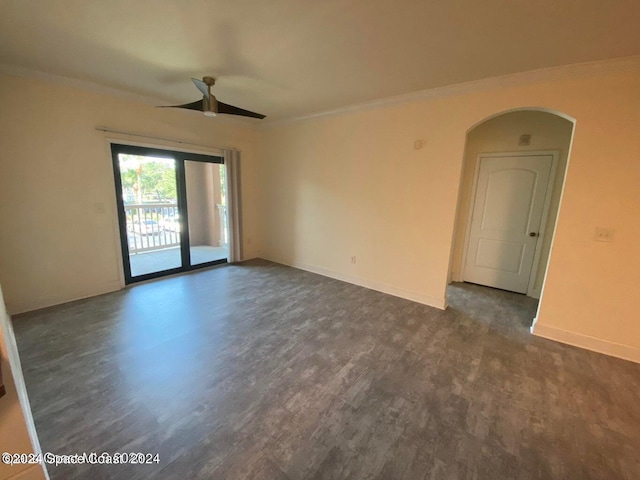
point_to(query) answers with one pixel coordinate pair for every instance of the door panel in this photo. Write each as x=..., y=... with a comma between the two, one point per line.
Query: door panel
x=513, y=216
x=508, y=207
x=496, y=254
x=205, y=187
x=149, y=193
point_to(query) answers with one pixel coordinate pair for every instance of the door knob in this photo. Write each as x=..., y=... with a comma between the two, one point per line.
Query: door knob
x=533, y=234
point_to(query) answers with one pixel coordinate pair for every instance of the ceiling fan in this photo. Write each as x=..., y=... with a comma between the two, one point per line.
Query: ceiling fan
x=209, y=105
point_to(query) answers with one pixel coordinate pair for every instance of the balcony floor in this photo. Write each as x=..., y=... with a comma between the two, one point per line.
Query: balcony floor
x=168, y=258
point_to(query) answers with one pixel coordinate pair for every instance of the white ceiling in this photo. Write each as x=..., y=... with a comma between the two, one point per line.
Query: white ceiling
x=287, y=58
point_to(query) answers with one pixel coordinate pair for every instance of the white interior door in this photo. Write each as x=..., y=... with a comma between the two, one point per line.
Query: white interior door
x=505, y=224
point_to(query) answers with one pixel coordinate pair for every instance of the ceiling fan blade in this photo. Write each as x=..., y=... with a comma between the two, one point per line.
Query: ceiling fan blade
x=200, y=85
x=197, y=105
x=231, y=110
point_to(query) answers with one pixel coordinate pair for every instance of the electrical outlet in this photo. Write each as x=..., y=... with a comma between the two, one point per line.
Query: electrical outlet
x=353, y=259
x=603, y=234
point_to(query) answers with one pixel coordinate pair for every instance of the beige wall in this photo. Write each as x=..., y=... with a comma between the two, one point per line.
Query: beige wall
x=501, y=134
x=55, y=169
x=353, y=184
x=332, y=188
x=17, y=430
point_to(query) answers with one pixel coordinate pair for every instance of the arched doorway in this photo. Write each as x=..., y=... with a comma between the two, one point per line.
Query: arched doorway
x=511, y=186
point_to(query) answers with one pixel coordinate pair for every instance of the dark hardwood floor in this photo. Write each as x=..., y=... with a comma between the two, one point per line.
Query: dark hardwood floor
x=261, y=371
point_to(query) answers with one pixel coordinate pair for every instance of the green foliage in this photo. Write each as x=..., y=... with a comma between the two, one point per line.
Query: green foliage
x=155, y=177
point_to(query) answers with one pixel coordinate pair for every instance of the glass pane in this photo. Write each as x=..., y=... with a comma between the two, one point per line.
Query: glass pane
x=207, y=207
x=151, y=208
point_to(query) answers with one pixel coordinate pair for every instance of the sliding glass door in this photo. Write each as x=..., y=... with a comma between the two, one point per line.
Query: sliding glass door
x=171, y=209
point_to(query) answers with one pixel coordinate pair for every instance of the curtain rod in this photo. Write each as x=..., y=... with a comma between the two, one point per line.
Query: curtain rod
x=132, y=134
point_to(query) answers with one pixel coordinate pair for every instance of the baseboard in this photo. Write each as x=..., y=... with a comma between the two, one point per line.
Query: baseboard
x=439, y=303
x=625, y=352
x=456, y=277
x=37, y=304
x=33, y=472
x=534, y=293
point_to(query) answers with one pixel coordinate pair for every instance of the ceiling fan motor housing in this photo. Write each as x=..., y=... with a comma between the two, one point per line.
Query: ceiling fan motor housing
x=210, y=102
x=210, y=106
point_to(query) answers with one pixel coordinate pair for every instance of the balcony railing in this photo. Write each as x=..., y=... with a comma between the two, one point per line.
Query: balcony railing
x=152, y=226
x=156, y=226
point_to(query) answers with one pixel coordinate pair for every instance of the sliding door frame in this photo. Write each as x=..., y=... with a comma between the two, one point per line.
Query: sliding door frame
x=181, y=190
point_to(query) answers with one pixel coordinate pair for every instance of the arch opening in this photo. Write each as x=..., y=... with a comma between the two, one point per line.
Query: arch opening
x=535, y=136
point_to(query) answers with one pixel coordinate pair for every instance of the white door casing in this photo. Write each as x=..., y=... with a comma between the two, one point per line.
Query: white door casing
x=510, y=203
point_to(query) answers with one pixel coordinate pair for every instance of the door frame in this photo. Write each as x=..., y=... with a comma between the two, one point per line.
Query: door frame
x=117, y=147
x=545, y=209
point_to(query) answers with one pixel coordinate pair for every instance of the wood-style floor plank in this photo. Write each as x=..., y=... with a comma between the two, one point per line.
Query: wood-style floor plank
x=260, y=371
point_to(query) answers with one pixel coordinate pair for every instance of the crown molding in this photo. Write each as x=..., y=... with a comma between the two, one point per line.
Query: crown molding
x=572, y=71
x=16, y=71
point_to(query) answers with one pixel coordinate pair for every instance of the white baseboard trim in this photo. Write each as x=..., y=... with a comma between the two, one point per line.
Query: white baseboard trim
x=440, y=303
x=626, y=352
x=456, y=277
x=37, y=304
